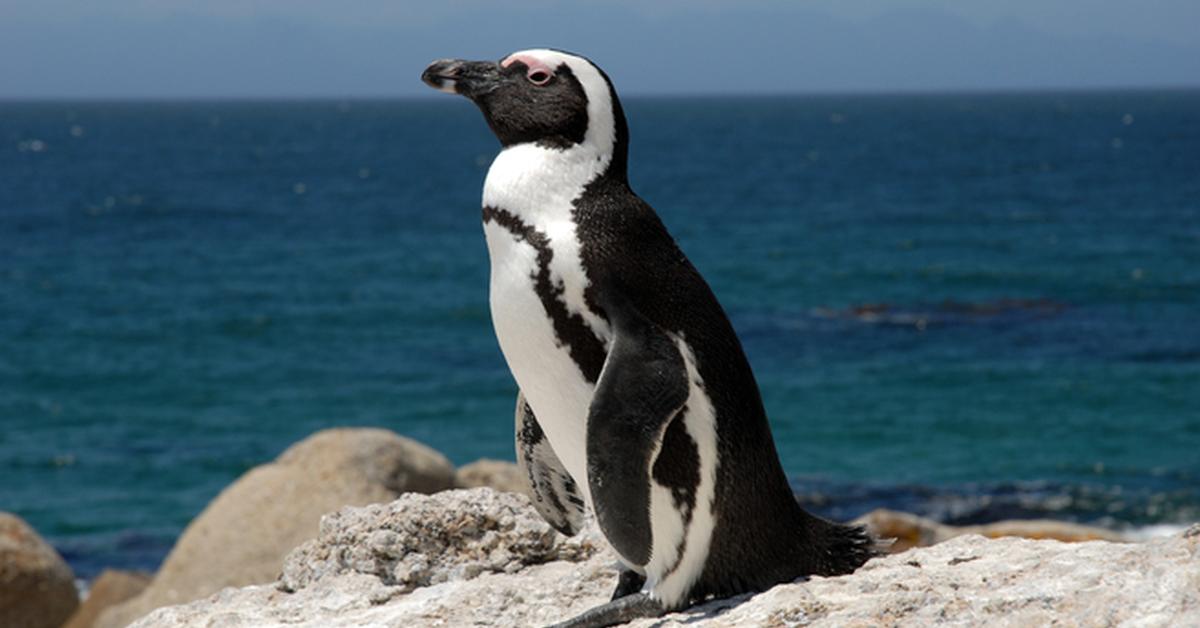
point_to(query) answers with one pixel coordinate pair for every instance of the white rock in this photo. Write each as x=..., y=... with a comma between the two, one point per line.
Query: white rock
x=349, y=576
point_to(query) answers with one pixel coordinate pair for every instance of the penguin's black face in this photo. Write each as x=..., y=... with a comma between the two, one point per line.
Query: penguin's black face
x=524, y=98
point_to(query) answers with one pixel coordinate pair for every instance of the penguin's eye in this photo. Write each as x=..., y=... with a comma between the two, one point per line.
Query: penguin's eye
x=538, y=77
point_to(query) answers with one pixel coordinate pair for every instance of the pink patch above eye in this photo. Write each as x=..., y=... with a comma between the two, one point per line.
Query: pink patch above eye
x=531, y=62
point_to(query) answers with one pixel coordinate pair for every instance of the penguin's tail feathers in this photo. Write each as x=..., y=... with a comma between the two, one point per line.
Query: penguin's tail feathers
x=845, y=548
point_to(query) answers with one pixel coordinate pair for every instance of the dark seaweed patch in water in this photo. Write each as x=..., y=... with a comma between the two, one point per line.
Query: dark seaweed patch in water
x=945, y=313
x=970, y=504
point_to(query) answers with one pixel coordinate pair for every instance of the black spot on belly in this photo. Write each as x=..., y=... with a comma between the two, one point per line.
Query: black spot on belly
x=678, y=466
x=570, y=329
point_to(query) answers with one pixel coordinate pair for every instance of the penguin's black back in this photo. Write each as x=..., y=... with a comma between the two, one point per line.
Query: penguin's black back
x=762, y=536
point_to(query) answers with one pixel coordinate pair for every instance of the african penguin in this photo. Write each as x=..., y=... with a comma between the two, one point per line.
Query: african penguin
x=636, y=399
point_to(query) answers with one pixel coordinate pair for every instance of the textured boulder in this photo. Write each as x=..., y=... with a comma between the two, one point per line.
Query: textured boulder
x=498, y=474
x=37, y=589
x=419, y=540
x=910, y=531
x=243, y=535
x=356, y=573
x=110, y=588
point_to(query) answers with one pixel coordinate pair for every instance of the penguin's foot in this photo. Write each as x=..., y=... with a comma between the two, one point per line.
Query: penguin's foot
x=628, y=583
x=619, y=611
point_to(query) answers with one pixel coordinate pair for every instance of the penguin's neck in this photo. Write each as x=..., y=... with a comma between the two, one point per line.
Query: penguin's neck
x=540, y=184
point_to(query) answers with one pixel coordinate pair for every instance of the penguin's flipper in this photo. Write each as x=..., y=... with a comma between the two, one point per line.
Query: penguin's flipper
x=643, y=385
x=555, y=493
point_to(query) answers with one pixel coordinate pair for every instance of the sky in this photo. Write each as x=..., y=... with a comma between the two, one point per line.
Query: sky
x=377, y=48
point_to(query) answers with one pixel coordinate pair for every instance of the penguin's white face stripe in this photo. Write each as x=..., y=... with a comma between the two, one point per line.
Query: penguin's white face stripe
x=536, y=70
x=602, y=128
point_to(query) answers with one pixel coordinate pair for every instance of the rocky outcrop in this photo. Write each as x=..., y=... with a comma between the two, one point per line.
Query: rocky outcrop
x=446, y=560
x=110, y=588
x=421, y=540
x=37, y=589
x=498, y=474
x=975, y=581
x=908, y=530
x=243, y=535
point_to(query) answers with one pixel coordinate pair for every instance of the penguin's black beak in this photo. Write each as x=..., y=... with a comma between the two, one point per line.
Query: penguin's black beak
x=468, y=78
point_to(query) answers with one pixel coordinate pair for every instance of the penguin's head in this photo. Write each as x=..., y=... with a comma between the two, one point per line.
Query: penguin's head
x=548, y=97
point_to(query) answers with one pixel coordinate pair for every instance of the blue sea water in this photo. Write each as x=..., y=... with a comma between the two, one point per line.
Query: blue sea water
x=971, y=306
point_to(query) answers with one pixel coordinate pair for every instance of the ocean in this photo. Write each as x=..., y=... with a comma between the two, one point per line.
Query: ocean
x=969, y=306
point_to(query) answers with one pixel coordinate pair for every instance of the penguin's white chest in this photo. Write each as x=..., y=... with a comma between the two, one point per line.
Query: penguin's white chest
x=524, y=275
x=535, y=257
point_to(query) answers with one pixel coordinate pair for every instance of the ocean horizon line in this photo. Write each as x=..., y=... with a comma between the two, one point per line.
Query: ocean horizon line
x=633, y=96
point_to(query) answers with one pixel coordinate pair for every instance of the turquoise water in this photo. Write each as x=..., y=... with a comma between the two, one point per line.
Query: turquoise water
x=968, y=306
